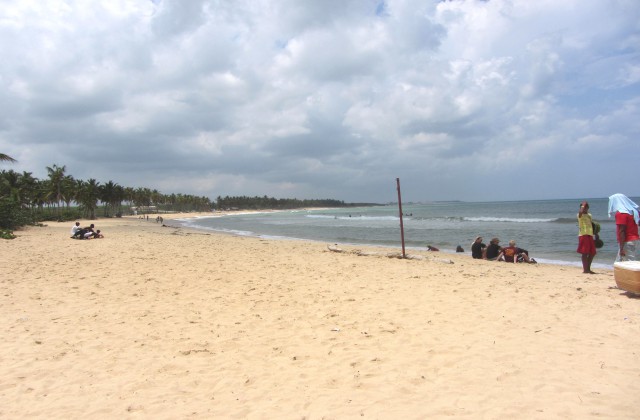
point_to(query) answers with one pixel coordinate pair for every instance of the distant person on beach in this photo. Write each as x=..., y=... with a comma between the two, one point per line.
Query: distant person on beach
x=586, y=242
x=75, y=228
x=80, y=234
x=478, y=249
x=627, y=218
x=493, y=249
x=459, y=248
x=432, y=248
x=88, y=233
x=513, y=254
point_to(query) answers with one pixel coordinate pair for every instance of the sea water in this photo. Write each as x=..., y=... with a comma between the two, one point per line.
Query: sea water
x=548, y=229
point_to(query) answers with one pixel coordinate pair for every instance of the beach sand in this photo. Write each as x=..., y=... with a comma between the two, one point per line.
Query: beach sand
x=170, y=323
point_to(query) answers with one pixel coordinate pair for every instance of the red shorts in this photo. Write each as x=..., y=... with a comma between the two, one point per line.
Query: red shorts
x=586, y=245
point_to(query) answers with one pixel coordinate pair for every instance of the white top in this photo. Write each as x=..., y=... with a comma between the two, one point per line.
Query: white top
x=628, y=265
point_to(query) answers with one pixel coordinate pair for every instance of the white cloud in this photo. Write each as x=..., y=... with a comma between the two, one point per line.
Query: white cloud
x=325, y=98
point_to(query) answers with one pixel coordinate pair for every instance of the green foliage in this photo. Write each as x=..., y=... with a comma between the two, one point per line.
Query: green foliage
x=6, y=234
x=25, y=200
x=262, y=203
x=12, y=216
x=71, y=213
x=6, y=158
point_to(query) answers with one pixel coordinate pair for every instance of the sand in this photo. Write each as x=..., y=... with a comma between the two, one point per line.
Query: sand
x=167, y=323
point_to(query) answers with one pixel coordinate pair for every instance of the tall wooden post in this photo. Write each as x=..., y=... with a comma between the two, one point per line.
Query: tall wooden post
x=401, y=224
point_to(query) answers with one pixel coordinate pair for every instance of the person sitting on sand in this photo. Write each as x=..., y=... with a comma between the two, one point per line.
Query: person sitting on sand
x=432, y=248
x=75, y=228
x=513, y=254
x=493, y=250
x=80, y=234
x=478, y=249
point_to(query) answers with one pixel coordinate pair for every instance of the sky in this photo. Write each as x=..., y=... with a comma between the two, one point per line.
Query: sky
x=473, y=100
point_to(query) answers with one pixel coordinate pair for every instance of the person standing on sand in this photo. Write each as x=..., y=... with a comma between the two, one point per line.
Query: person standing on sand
x=586, y=243
x=627, y=218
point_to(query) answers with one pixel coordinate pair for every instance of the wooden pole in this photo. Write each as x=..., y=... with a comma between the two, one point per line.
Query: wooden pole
x=401, y=224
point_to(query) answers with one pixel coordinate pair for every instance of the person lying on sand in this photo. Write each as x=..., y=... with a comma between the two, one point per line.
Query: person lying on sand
x=94, y=235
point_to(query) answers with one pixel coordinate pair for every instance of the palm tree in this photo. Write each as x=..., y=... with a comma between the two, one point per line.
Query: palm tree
x=118, y=198
x=28, y=192
x=68, y=189
x=56, y=180
x=142, y=198
x=6, y=158
x=10, y=186
x=111, y=195
x=89, y=194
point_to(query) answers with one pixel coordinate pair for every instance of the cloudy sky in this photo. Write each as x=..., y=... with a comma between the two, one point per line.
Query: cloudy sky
x=462, y=99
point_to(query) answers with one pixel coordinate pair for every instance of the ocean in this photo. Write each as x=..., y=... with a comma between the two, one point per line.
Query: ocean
x=548, y=229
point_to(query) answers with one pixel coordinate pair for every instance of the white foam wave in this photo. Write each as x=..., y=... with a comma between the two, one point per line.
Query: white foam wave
x=323, y=216
x=236, y=232
x=507, y=219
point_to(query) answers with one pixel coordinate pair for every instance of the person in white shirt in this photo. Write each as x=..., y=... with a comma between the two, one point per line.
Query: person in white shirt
x=75, y=229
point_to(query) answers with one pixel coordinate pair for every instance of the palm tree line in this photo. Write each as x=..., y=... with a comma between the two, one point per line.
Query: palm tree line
x=259, y=203
x=26, y=200
x=62, y=197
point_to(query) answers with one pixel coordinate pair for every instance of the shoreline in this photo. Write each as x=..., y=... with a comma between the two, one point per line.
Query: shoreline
x=170, y=322
x=183, y=222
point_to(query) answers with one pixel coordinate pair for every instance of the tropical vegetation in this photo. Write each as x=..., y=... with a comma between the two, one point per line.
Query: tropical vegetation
x=26, y=200
x=258, y=203
x=6, y=158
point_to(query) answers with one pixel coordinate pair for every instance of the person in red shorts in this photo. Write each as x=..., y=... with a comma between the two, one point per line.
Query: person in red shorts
x=586, y=243
x=627, y=218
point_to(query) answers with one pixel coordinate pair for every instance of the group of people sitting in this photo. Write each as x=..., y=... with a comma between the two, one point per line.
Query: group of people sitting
x=88, y=232
x=494, y=252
